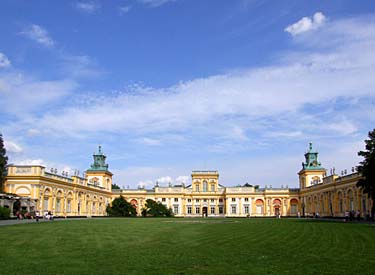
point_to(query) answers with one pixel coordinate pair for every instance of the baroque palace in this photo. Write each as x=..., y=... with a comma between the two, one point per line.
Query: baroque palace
x=41, y=191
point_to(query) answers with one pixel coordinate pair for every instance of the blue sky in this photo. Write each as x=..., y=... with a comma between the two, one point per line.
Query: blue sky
x=167, y=87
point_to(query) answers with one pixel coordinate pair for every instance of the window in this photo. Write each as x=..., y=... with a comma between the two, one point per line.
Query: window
x=221, y=210
x=45, y=203
x=212, y=209
x=175, y=199
x=197, y=200
x=163, y=199
x=197, y=210
x=246, y=199
x=220, y=200
x=58, y=205
x=197, y=188
x=212, y=187
x=175, y=209
x=205, y=186
x=93, y=208
x=69, y=206
x=234, y=209
x=189, y=200
x=189, y=210
x=205, y=200
x=246, y=209
x=233, y=199
x=212, y=200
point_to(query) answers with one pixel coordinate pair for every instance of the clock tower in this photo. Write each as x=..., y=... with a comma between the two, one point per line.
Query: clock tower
x=312, y=172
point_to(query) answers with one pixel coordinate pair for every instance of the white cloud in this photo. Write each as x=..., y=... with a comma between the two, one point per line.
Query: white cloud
x=146, y=184
x=150, y=141
x=164, y=180
x=182, y=179
x=4, y=61
x=33, y=132
x=12, y=147
x=31, y=162
x=306, y=24
x=38, y=34
x=155, y=3
x=87, y=6
x=124, y=9
x=20, y=94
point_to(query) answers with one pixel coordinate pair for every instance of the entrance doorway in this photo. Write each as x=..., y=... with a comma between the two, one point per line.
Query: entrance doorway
x=204, y=211
x=277, y=211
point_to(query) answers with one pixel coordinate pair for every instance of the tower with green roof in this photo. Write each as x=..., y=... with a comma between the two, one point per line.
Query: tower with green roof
x=98, y=174
x=312, y=172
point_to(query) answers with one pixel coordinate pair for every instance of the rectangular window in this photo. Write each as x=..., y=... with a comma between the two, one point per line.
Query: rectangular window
x=234, y=209
x=293, y=209
x=246, y=209
x=233, y=199
x=221, y=210
x=189, y=210
x=58, y=205
x=204, y=200
x=212, y=187
x=197, y=188
x=69, y=206
x=212, y=209
x=175, y=209
x=246, y=199
x=45, y=206
x=212, y=200
x=163, y=199
x=93, y=208
x=197, y=210
x=220, y=200
x=204, y=186
x=189, y=200
x=175, y=199
x=197, y=200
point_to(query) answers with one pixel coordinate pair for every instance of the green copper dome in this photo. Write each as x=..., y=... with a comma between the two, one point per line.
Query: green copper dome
x=311, y=160
x=99, y=162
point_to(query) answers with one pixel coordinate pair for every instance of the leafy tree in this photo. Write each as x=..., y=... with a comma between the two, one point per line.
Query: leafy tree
x=3, y=163
x=367, y=169
x=156, y=209
x=115, y=186
x=121, y=208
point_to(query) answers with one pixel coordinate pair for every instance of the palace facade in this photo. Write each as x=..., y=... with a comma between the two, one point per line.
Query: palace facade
x=89, y=195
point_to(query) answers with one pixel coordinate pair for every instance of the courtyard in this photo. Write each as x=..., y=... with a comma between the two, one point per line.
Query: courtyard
x=187, y=246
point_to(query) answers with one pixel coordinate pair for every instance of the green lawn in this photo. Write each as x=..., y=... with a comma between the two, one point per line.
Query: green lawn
x=188, y=246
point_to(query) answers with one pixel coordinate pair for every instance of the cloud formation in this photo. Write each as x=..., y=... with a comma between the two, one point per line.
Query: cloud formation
x=155, y=3
x=39, y=35
x=4, y=61
x=87, y=6
x=306, y=24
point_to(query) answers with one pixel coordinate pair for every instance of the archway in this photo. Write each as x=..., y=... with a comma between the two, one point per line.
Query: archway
x=204, y=211
x=259, y=206
x=276, y=207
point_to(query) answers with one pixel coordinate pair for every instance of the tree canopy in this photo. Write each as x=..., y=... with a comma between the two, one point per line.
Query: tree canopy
x=156, y=209
x=121, y=208
x=3, y=162
x=115, y=186
x=367, y=168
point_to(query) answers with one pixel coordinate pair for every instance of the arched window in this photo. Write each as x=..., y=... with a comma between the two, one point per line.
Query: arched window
x=205, y=186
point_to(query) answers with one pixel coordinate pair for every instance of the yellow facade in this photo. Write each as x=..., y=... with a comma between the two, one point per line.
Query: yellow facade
x=89, y=195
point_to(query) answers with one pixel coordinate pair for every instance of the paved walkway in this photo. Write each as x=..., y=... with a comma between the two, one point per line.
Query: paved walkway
x=12, y=222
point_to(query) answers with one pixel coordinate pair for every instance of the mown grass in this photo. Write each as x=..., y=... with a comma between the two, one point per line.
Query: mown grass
x=187, y=246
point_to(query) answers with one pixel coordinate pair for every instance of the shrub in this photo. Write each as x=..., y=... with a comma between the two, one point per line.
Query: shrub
x=4, y=213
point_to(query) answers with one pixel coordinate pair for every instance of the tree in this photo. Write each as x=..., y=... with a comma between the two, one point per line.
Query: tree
x=156, y=209
x=3, y=163
x=367, y=169
x=115, y=186
x=121, y=208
